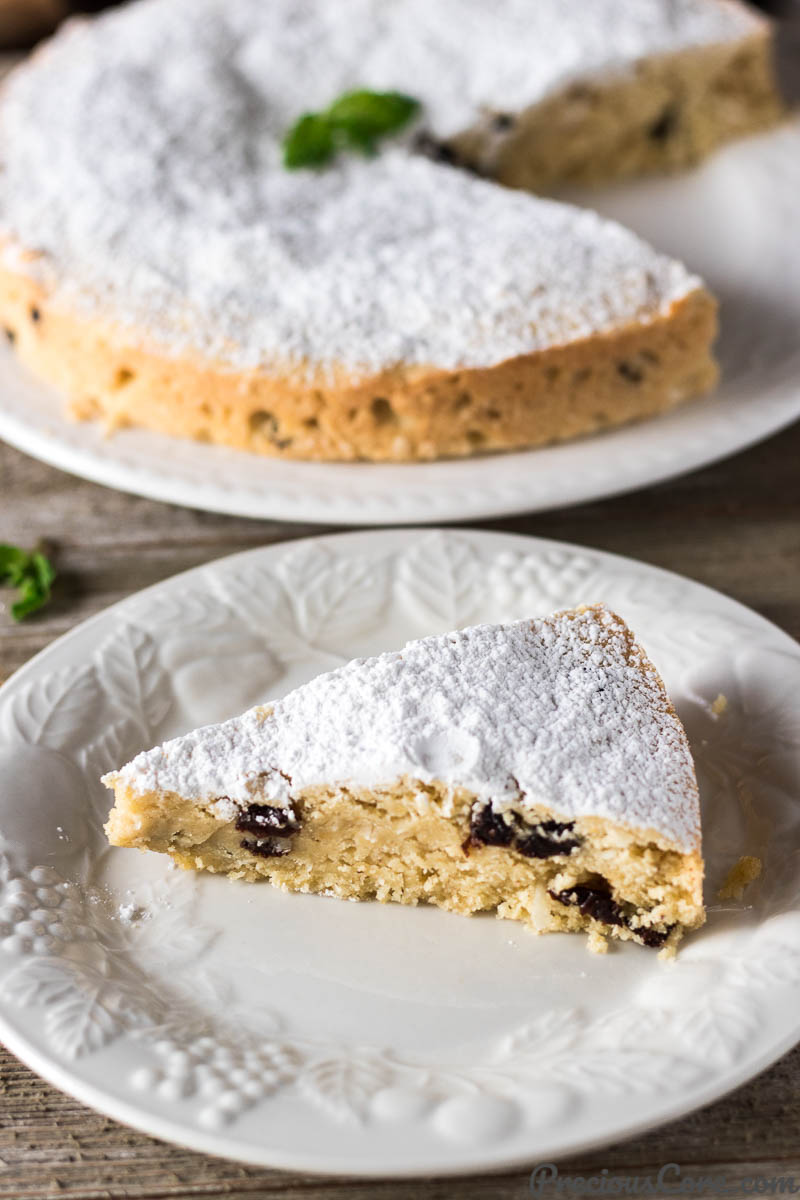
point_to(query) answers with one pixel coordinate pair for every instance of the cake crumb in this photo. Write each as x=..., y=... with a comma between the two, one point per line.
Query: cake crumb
x=743, y=872
x=720, y=705
x=669, y=950
x=596, y=943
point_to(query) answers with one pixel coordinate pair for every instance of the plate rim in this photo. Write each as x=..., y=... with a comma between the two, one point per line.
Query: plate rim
x=361, y=511
x=218, y=1144
x=213, y=1144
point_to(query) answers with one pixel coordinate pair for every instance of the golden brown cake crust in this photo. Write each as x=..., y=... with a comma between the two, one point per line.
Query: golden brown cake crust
x=407, y=413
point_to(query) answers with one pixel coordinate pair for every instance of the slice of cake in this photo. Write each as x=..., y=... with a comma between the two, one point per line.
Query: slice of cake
x=162, y=268
x=536, y=769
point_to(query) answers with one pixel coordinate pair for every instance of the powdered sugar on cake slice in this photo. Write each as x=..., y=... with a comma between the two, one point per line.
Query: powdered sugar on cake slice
x=142, y=179
x=564, y=712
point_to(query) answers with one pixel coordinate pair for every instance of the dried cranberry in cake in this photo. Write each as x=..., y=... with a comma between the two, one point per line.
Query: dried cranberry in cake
x=265, y=847
x=547, y=839
x=264, y=820
x=544, y=839
x=489, y=828
x=597, y=902
x=272, y=826
x=654, y=938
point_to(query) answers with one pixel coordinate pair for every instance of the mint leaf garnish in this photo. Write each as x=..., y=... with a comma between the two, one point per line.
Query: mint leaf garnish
x=31, y=573
x=353, y=122
x=309, y=142
x=372, y=114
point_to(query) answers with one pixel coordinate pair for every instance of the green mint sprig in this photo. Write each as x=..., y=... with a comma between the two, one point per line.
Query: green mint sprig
x=31, y=573
x=353, y=122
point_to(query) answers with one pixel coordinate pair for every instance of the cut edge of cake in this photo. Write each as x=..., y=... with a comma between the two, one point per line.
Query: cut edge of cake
x=454, y=836
x=662, y=114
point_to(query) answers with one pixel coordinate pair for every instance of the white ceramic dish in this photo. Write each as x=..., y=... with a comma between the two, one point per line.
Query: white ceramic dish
x=303, y=1032
x=734, y=220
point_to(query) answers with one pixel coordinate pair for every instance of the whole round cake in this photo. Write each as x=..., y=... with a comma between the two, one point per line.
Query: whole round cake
x=162, y=267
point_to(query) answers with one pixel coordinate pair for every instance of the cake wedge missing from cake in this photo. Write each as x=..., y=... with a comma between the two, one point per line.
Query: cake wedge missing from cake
x=536, y=769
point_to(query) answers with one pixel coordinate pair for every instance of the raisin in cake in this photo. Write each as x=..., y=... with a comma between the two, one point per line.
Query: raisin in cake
x=160, y=266
x=537, y=769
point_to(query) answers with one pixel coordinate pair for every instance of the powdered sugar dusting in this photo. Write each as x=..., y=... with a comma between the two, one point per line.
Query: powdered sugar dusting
x=565, y=712
x=141, y=164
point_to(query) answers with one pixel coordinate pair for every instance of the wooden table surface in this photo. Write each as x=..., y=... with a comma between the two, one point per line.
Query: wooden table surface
x=734, y=526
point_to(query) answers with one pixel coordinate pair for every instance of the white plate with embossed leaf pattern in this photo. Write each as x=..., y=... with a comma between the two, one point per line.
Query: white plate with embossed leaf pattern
x=303, y=1032
x=733, y=220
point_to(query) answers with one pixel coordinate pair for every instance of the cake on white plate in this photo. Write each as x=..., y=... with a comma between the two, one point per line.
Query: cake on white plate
x=161, y=267
x=537, y=769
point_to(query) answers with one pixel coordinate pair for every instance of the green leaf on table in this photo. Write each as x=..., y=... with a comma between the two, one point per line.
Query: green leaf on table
x=31, y=573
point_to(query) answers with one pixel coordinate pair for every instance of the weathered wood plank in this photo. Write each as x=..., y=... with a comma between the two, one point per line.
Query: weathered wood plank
x=52, y=1146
